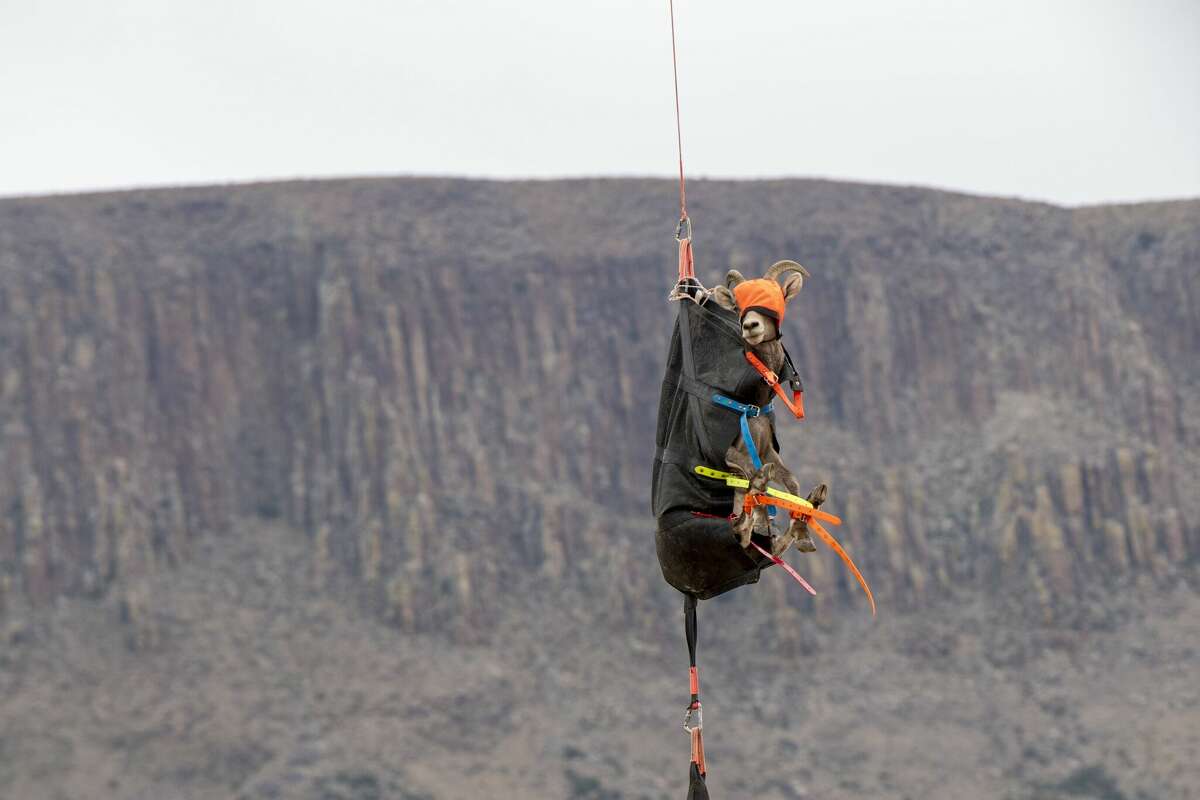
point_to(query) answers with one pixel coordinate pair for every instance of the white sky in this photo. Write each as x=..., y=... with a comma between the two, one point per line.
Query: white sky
x=1072, y=101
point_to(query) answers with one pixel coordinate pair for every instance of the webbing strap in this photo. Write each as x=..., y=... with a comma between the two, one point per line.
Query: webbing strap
x=741, y=408
x=787, y=567
x=689, y=629
x=749, y=440
x=811, y=515
x=827, y=537
x=687, y=261
x=698, y=751
x=696, y=388
x=795, y=403
x=803, y=509
x=741, y=483
x=684, y=324
x=693, y=722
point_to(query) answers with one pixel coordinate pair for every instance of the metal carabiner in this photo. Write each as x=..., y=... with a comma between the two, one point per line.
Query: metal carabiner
x=684, y=223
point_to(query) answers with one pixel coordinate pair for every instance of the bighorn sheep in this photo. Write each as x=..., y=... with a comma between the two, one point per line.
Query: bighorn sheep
x=760, y=332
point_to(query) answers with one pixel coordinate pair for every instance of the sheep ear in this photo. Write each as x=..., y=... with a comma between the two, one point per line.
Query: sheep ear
x=792, y=286
x=733, y=278
x=723, y=297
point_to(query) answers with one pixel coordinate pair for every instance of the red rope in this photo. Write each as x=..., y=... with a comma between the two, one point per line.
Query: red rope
x=678, y=126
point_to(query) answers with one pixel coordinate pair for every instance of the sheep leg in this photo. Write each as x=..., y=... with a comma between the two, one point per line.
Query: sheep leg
x=798, y=529
x=759, y=483
x=738, y=460
x=762, y=431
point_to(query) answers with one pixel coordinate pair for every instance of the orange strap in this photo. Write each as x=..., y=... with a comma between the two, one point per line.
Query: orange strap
x=795, y=403
x=837, y=548
x=698, y=750
x=797, y=510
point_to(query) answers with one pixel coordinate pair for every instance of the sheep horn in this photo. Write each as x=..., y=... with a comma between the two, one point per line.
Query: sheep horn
x=780, y=267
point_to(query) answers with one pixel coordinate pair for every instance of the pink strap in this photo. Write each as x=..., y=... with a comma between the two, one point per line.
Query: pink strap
x=787, y=567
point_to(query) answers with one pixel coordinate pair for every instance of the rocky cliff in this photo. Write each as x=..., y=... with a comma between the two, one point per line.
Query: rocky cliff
x=449, y=386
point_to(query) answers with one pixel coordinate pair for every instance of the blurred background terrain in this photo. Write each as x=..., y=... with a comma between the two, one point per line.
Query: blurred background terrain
x=339, y=489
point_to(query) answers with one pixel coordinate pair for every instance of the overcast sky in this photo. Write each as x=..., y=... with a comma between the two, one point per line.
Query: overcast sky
x=1070, y=101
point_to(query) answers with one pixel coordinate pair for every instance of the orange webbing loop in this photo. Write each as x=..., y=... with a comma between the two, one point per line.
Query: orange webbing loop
x=686, y=264
x=795, y=403
x=698, y=750
x=694, y=680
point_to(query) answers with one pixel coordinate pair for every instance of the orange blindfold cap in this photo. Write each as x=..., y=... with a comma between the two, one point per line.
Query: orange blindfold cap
x=762, y=295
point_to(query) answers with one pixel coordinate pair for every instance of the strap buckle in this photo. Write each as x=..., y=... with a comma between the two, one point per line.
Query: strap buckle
x=767, y=374
x=742, y=408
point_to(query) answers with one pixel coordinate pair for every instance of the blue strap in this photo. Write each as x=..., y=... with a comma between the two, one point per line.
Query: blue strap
x=746, y=411
x=742, y=408
x=749, y=440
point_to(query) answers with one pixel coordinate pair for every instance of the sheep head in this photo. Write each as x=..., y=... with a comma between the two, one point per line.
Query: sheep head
x=760, y=303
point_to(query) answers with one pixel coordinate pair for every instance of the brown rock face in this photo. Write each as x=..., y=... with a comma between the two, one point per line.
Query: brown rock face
x=450, y=385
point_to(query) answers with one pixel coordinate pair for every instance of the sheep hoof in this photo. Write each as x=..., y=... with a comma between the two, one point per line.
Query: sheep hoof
x=799, y=528
x=804, y=543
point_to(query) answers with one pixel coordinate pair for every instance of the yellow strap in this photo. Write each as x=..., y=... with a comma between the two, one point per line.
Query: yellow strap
x=741, y=483
x=728, y=477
